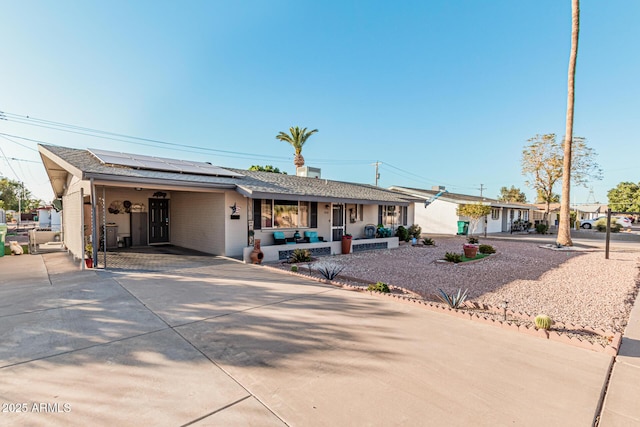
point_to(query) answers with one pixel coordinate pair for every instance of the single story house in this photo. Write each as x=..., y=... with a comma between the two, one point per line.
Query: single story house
x=118, y=199
x=436, y=211
x=589, y=210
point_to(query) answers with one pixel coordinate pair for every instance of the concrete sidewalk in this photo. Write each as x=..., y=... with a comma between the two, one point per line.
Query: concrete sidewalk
x=621, y=404
x=232, y=344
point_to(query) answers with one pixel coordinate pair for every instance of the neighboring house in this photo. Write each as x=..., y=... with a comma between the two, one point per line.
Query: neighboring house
x=554, y=213
x=589, y=211
x=49, y=218
x=436, y=211
x=124, y=199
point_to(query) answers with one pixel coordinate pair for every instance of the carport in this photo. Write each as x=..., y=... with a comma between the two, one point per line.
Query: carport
x=161, y=258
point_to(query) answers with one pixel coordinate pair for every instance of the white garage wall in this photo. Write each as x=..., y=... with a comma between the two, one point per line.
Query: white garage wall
x=438, y=218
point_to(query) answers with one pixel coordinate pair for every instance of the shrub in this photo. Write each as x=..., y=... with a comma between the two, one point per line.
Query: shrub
x=403, y=234
x=300, y=255
x=428, y=241
x=601, y=225
x=415, y=231
x=472, y=240
x=294, y=268
x=543, y=322
x=379, y=287
x=454, y=300
x=542, y=228
x=382, y=231
x=453, y=257
x=329, y=270
x=486, y=249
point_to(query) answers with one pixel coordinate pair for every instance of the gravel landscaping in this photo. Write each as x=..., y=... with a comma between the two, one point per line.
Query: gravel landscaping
x=578, y=287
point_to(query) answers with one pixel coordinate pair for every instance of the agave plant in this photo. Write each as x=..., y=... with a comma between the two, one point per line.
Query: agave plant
x=454, y=300
x=329, y=270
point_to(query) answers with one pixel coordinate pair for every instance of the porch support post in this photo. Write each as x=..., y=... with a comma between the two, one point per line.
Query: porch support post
x=104, y=225
x=82, y=228
x=94, y=225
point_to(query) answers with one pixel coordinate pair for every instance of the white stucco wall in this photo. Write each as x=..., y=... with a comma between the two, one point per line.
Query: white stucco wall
x=236, y=230
x=438, y=218
x=494, y=225
x=72, y=204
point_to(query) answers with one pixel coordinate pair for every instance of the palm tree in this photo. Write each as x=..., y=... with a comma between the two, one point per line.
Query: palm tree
x=297, y=139
x=564, y=227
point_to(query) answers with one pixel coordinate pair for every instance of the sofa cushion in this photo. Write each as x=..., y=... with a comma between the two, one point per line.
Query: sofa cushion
x=312, y=236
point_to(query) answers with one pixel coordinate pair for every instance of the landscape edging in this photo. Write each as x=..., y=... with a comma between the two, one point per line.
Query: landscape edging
x=610, y=349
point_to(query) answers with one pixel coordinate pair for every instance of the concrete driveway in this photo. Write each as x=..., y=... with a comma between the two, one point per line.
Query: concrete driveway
x=224, y=344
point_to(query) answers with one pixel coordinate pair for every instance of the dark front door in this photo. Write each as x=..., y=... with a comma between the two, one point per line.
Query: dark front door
x=158, y=221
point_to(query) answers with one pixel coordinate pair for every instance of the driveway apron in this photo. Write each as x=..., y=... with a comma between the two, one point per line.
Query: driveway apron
x=224, y=343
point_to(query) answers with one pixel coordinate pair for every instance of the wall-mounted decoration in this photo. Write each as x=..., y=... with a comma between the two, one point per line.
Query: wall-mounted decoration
x=160, y=194
x=116, y=207
x=138, y=207
x=235, y=211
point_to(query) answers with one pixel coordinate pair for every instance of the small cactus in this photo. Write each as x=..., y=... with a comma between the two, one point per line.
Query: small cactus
x=543, y=322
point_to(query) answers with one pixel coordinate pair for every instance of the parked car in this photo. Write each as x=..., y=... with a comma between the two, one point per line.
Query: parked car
x=624, y=221
x=590, y=223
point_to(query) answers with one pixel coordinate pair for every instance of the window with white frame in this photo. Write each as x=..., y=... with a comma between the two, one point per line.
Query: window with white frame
x=392, y=216
x=495, y=213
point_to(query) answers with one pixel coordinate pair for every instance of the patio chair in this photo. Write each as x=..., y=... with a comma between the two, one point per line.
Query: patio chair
x=312, y=237
x=280, y=239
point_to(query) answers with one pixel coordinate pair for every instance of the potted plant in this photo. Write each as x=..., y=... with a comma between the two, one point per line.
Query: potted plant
x=346, y=244
x=470, y=250
x=88, y=250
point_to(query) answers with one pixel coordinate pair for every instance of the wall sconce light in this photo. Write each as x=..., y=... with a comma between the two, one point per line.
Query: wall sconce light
x=326, y=206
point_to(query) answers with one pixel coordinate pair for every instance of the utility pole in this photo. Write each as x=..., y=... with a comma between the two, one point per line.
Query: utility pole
x=20, y=205
x=376, y=164
x=481, y=189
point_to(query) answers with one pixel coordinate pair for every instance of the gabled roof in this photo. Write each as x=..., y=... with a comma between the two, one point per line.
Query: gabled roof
x=590, y=208
x=459, y=198
x=254, y=184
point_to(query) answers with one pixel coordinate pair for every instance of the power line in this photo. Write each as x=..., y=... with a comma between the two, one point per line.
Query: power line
x=114, y=136
x=9, y=164
x=155, y=143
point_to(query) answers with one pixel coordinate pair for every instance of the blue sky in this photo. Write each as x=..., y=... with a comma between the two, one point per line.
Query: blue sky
x=441, y=92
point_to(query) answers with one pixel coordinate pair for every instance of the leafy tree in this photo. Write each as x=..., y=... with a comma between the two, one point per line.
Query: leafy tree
x=541, y=198
x=542, y=163
x=297, y=138
x=474, y=212
x=512, y=194
x=10, y=191
x=625, y=197
x=267, y=168
x=564, y=226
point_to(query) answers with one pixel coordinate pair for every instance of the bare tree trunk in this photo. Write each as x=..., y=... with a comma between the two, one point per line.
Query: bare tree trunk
x=564, y=228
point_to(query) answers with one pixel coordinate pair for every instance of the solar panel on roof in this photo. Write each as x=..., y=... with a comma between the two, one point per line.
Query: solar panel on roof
x=141, y=161
x=123, y=161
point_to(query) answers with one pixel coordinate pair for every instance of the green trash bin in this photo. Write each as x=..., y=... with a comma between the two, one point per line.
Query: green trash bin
x=463, y=228
x=3, y=234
